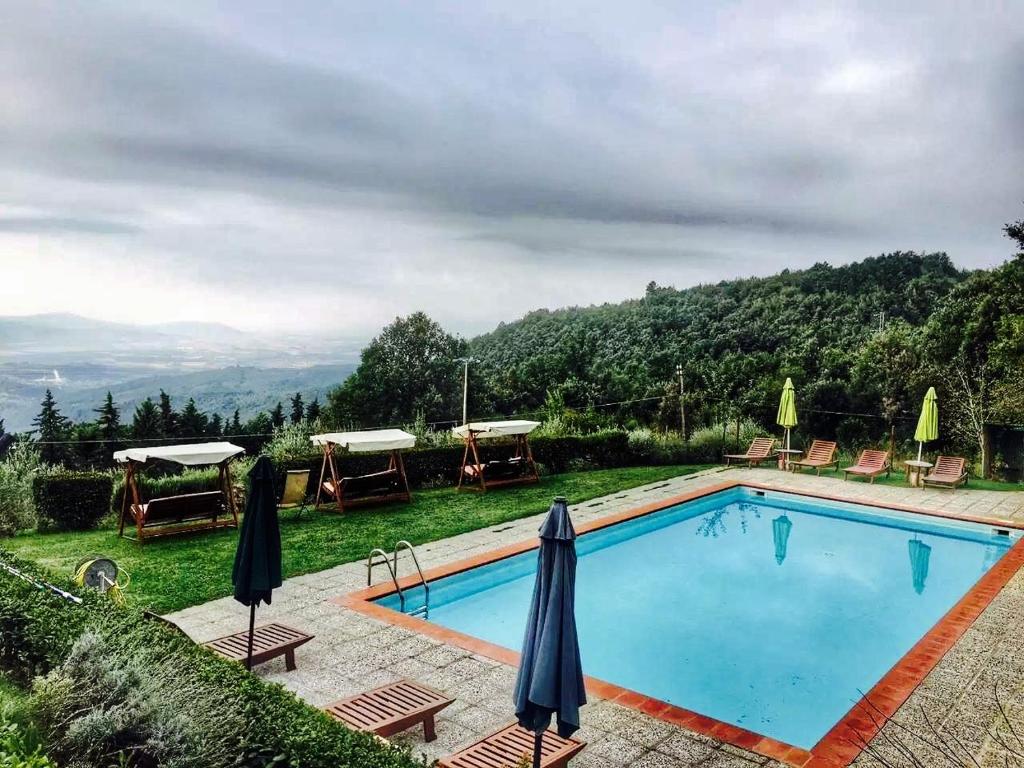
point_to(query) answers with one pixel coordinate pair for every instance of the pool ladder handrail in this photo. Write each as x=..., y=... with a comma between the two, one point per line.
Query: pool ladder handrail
x=392, y=566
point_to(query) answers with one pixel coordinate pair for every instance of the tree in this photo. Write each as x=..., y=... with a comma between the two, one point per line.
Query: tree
x=298, y=411
x=313, y=410
x=234, y=426
x=277, y=415
x=192, y=422
x=168, y=418
x=51, y=426
x=147, y=423
x=410, y=367
x=1015, y=232
x=109, y=420
x=976, y=344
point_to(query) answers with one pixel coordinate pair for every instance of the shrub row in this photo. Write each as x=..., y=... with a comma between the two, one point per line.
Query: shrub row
x=425, y=467
x=38, y=631
x=71, y=501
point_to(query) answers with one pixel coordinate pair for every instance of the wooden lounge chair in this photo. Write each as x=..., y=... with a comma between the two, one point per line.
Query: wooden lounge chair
x=391, y=709
x=760, y=450
x=507, y=746
x=269, y=642
x=949, y=472
x=870, y=464
x=821, y=454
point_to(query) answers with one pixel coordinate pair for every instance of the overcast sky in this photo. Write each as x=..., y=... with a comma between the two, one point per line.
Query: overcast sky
x=333, y=164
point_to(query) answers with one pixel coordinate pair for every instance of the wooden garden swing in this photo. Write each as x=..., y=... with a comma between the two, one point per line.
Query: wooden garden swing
x=185, y=512
x=388, y=485
x=518, y=469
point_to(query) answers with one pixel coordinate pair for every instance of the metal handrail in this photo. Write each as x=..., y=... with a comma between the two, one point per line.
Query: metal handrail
x=370, y=564
x=403, y=544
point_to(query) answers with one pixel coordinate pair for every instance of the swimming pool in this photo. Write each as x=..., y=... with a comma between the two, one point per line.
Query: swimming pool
x=770, y=611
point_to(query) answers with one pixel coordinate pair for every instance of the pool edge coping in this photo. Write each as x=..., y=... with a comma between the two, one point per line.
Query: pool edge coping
x=844, y=741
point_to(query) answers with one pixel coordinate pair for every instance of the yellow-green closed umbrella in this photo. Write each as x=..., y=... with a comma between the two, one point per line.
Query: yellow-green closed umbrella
x=787, y=409
x=928, y=423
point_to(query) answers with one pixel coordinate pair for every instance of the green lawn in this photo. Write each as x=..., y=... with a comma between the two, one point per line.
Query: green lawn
x=174, y=573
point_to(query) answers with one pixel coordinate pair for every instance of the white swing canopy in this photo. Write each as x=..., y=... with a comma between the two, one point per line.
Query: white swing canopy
x=189, y=455
x=368, y=441
x=487, y=429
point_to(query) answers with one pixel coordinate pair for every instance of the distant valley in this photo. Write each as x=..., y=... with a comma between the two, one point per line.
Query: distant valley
x=224, y=369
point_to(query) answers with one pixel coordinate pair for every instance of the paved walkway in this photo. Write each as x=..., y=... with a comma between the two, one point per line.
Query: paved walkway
x=956, y=707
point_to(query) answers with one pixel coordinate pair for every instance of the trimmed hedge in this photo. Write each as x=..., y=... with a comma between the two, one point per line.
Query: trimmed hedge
x=71, y=501
x=189, y=481
x=38, y=629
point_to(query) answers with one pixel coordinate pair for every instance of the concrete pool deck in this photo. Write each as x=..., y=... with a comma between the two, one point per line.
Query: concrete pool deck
x=353, y=652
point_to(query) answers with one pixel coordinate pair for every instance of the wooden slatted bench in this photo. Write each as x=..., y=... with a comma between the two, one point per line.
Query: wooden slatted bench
x=269, y=642
x=180, y=514
x=507, y=746
x=391, y=709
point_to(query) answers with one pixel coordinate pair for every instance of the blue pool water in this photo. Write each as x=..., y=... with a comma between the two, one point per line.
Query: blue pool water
x=710, y=606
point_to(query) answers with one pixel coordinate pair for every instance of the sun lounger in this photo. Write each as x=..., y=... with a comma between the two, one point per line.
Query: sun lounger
x=391, y=709
x=760, y=450
x=870, y=464
x=949, y=472
x=507, y=746
x=821, y=454
x=295, y=494
x=269, y=642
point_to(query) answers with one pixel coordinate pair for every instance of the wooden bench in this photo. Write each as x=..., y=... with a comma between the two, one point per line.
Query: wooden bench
x=374, y=488
x=179, y=514
x=269, y=642
x=391, y=709
x=869, y=464
x=507, y=746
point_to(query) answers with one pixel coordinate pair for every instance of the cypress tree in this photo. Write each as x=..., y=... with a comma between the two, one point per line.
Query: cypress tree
x=51, y=425
x=313, y=410
x=192, y=422
x=147, y=422
x=168, y=418
x=277, y=415
x=298, y=412
x=109, y=420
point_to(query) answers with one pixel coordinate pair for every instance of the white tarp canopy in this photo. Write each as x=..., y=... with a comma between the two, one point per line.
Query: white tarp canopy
x=190, y=455
x=484, y=429
x=370, y=440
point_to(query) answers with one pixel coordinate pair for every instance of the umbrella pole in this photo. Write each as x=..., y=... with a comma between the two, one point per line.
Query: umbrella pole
x=538, y=738
x=920, y=449
x=252, y=631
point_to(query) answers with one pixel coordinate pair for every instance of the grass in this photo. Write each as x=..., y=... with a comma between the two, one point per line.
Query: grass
x=174, y=573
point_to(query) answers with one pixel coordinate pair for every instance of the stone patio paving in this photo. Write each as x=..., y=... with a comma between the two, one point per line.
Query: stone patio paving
x=353, y=653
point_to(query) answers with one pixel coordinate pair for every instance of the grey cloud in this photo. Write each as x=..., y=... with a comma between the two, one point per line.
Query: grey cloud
x=65, y=224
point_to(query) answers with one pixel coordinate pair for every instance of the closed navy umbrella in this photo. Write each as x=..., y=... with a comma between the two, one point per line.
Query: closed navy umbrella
x=257, y=569
x=550, y=681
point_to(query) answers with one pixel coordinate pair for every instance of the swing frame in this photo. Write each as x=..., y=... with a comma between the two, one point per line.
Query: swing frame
x=335, y=486
x=135, y=511
x=473, y=469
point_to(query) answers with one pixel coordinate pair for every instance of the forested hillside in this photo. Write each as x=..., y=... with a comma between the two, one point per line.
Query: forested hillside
x=862, y=342
x=809, y=325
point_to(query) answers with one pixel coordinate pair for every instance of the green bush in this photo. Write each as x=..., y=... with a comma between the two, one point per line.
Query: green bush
x=39, y=630
x=15, y=752
x=71, y=501
x=104, y=702
x=17, y=510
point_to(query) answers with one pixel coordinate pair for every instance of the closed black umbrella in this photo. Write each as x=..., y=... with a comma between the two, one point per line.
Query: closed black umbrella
x=550, y=680
x=257, y=570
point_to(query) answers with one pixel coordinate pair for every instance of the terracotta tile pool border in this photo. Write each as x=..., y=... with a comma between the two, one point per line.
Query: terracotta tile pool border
x=843, y=742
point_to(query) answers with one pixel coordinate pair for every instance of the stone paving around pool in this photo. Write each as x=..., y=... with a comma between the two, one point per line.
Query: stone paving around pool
x=954, y=718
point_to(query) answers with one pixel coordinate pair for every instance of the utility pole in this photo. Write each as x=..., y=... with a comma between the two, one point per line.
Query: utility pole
x=881, y=321
x=465, y=384
x=682, y=401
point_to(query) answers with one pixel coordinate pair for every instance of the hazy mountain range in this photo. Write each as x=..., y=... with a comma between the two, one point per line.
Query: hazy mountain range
x=223, y=368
